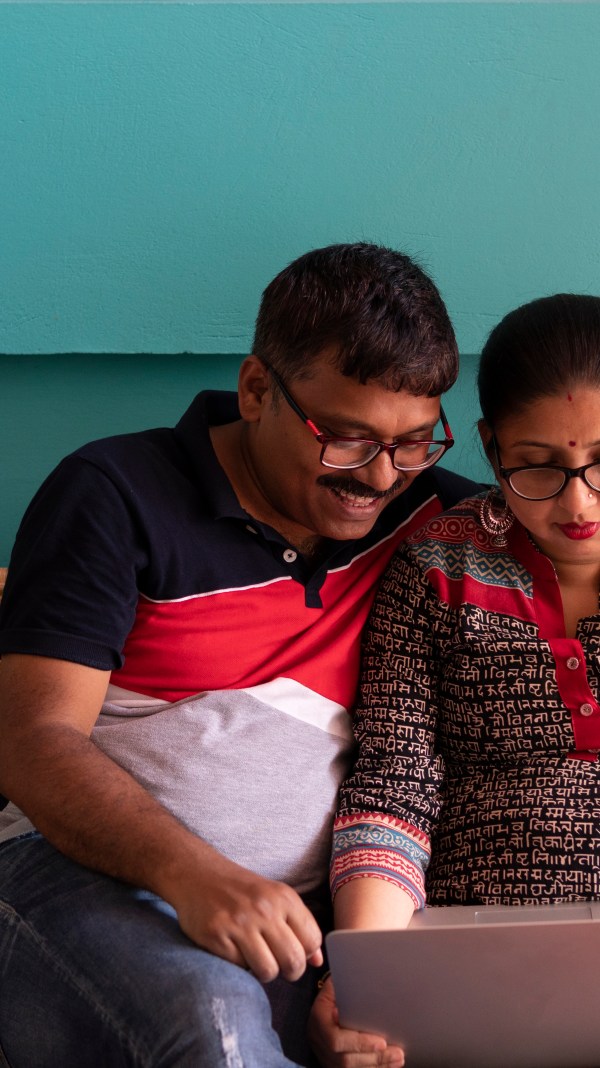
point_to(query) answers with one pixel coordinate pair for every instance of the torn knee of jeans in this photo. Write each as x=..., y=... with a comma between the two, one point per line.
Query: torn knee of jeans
x=227, y=1034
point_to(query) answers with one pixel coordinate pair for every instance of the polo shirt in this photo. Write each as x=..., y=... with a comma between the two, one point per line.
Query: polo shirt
x=234, y=660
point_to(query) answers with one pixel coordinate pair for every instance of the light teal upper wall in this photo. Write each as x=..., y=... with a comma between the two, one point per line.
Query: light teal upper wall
x=160, y=162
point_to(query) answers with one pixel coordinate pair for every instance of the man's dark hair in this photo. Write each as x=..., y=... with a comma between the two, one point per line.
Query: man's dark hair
x=375, y=310
x=538, y=350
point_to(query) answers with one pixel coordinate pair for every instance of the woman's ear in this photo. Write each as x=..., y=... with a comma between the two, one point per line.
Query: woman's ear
x=254, y=389
x=487, y=436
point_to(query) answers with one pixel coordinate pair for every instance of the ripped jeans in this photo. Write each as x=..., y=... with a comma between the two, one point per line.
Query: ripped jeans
x=97, y=974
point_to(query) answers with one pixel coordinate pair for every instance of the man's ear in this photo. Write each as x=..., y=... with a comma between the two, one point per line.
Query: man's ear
x=254, y=389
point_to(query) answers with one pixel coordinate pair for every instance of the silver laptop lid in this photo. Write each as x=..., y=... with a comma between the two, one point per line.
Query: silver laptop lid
x=478, y=987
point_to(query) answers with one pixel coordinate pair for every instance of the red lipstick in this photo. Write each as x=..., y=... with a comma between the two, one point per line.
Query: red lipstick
x=579, y=531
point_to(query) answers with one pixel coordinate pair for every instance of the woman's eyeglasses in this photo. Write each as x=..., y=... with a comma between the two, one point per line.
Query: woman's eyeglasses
x=537, y=482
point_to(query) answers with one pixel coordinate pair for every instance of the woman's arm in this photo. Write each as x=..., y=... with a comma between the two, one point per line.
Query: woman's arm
x=362, y=904
x=372, y=904
x=391, y=800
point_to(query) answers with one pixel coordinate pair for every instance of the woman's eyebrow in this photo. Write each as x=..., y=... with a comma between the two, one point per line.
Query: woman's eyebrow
x=550, y=444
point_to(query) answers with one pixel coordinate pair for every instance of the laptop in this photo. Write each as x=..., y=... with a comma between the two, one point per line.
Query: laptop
x=478, y=987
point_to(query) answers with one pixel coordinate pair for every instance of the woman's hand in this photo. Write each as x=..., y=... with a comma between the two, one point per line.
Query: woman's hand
x=339, y=1047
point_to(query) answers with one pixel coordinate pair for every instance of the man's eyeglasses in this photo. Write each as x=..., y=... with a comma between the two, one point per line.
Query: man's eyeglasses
x=538, y=482
x=347, y=452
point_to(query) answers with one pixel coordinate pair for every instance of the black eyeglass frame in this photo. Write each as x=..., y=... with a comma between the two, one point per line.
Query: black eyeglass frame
x=566, y=472
x=382, y=446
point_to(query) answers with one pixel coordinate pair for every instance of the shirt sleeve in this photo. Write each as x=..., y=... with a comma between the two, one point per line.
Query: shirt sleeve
x=72, y=586
x=390, y=802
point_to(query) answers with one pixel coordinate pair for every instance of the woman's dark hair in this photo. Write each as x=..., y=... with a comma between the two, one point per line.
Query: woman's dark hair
x=376, y=311
x=541, y=348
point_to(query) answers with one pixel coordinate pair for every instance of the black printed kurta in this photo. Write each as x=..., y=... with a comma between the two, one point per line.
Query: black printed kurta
x=477, y=778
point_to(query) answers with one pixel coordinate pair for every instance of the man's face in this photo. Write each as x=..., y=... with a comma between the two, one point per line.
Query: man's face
x=306, y=499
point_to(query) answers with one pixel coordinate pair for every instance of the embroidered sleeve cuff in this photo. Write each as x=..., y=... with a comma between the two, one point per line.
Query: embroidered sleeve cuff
x=371, y=845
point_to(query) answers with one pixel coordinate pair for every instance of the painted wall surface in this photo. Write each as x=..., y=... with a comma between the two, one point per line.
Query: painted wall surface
x=159, y=163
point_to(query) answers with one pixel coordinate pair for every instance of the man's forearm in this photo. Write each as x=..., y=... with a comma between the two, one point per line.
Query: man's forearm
x=95, y=812
x=98, y=815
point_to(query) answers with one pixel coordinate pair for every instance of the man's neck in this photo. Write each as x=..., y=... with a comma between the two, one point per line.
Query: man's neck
x=228, y=445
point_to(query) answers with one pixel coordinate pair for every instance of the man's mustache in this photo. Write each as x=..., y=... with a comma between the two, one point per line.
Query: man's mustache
x=359, y=489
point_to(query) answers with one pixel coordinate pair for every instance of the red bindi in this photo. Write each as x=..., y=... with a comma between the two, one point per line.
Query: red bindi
x=572, y=443
x=569, y=397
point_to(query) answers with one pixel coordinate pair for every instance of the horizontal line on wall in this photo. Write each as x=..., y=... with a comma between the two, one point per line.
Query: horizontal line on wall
x=230, y=356
x=216, y=355
x=279, y=3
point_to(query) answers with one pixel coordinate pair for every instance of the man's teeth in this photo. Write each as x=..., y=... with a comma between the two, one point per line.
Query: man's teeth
x=353, y=498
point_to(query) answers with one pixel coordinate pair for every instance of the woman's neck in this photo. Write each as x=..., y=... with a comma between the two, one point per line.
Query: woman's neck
x=579, y=585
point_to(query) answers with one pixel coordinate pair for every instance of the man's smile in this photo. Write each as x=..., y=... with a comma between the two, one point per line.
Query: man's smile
x=356, y=493
x=358, y=499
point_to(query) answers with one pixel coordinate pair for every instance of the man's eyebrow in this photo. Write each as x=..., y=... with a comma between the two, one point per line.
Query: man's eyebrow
x=367, y=432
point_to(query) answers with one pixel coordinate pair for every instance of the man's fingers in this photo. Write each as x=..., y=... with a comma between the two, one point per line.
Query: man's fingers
x=287, y=951
x=258, y=957
x=249, y=949
x=306, y=929
x=258, y=924
x=267, y=949
x=315, y=959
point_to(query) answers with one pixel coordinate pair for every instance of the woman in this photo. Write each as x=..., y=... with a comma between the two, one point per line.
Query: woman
x=478, y=778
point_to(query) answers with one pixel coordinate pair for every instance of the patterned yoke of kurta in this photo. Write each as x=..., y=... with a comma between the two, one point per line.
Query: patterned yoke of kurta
x=477, y=778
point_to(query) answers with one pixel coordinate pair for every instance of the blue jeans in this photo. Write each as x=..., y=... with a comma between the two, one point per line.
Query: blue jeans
x=97, y=974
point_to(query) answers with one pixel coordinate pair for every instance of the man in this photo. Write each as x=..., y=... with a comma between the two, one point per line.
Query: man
x=204, y=588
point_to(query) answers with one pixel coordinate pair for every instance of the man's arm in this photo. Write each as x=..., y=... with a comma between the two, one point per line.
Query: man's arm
x=96, y=813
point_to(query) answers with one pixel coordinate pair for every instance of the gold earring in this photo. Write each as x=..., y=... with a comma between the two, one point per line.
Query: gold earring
x=495, y=516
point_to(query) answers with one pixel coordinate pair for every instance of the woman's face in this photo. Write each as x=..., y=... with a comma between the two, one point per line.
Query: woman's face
x=564, y=430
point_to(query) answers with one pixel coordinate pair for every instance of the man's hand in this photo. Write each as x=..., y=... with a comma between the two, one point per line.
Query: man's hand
x=339, y=1047
x=257, y=923
x=66, y=785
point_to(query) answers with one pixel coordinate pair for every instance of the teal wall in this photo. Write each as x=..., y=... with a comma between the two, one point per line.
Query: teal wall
x=160, y=162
